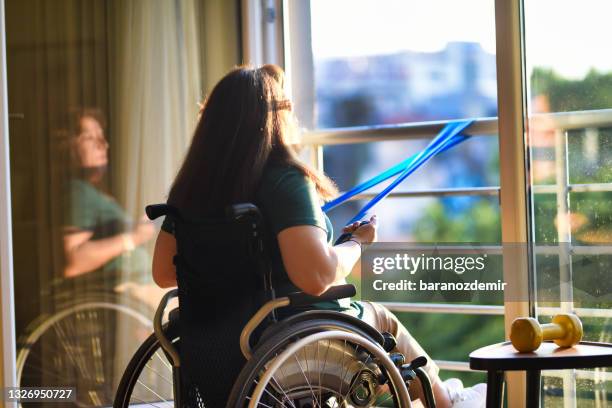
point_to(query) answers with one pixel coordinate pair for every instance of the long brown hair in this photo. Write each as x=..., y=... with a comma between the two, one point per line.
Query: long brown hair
x=245, y=124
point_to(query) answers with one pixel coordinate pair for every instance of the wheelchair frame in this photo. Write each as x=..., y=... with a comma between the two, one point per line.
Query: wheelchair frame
x=87, y=306
x=318, y=329
x=301, y=330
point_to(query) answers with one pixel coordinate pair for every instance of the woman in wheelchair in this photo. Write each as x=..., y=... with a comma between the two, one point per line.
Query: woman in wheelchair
x=242, y=151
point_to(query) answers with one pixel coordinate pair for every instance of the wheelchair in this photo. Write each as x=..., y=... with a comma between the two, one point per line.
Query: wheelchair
x=73, y=346
x=228, y=343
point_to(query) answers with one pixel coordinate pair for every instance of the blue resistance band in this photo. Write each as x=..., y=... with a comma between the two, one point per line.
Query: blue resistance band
x=448, y=137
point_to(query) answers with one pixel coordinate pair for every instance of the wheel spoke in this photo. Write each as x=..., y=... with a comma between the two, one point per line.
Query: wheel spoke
x=306, y=378
x=319, y=371
x=342, y=367
x=76, y=345
x=148, y=365
x=272, y=395
x=355, y=382
x=80, y=317
x=163, y=360
x=96, y=345
x=284, y=393
x=351, y=388
x=316, y=402
x=279, y=386
x=71, y=351
x=151, y=390
x=323, y=370
x=149, y=403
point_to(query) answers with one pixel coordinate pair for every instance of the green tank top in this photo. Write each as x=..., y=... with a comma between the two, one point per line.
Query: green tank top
x=91, y=210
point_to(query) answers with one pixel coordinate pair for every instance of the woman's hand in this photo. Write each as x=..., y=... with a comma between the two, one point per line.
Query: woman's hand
x=84, y=254
x=350, y=228
x=144, y=231
x=365, y=233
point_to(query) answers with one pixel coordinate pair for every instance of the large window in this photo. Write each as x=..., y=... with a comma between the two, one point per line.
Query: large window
x=370, y=70
x=387, y=64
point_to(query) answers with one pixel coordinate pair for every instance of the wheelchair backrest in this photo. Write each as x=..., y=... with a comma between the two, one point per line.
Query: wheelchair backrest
x=224, y=252
x=223, y=277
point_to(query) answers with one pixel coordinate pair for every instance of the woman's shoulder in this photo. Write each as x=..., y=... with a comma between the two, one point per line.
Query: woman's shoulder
x=277, y=175
x=83, y=194
x=281, y=169
x=289, y=198
x=81, y=186
x=286, y=184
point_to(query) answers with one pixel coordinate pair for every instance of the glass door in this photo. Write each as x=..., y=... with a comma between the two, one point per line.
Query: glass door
x=569, y=87
x=103, y=98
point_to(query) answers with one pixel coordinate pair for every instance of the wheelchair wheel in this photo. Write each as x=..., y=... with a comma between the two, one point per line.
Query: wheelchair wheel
x=148, y=379
x=79, y=346
x=336, y=366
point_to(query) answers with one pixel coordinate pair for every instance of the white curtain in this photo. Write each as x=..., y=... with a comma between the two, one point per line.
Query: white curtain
x=158, y=77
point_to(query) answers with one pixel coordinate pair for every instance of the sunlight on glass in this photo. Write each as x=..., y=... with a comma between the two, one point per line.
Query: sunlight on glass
x=377, y=27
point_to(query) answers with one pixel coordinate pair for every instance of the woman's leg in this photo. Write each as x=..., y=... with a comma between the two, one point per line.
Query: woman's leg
x=385, y=321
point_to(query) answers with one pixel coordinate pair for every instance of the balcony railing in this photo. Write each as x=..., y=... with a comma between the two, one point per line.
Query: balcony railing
x=560, y=123
x=426, y=130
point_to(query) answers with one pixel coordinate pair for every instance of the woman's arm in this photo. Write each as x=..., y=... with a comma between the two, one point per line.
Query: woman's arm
x=164, y=271
x=85, y=255
x=312, y=264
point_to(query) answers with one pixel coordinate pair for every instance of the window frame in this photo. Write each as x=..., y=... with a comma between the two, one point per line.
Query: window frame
x=8, y=358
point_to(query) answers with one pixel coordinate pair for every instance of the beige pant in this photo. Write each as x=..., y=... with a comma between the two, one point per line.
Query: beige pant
x=384, y=321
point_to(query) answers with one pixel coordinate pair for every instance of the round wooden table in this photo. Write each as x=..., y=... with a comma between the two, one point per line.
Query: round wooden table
x=501, y=357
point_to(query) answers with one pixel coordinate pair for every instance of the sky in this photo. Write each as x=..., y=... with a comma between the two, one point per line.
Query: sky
x=568, y=35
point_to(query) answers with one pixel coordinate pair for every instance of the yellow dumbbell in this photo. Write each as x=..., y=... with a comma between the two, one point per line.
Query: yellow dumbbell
x=526, y=334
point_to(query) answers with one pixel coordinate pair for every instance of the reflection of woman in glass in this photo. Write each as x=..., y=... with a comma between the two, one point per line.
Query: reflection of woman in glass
x=91, y=330
x=98, y=236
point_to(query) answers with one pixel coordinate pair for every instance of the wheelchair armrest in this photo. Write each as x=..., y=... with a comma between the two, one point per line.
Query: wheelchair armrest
x=293, y=299
x=154, y=211
x=159, y=330
x=333, y=293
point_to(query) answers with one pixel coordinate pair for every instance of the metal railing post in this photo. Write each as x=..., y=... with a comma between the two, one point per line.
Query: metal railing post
x=316, y=157
x=564, y=239
x=564, y=232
